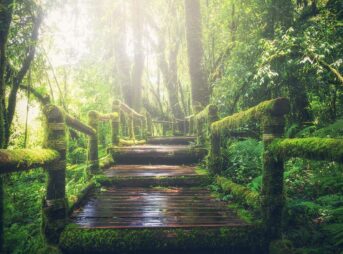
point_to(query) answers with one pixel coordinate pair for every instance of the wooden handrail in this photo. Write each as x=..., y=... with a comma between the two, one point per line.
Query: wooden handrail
x=329, y=149
x=162, y=121
x=25, y=159
x=79, y=126
x=130, y=111
x=271, y=108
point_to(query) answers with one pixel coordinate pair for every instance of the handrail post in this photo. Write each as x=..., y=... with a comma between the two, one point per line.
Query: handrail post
x=115, y=123
x=148, y=125
x=272, y=199
x=132, y=128
x=55, y=204
x=93, y=143
x=191, y=126
x=200, y=131
x=173, y=127
x=141, y=127
x=215, y=160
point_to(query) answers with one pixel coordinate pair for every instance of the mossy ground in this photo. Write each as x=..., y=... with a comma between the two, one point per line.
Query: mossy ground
x=243, y=239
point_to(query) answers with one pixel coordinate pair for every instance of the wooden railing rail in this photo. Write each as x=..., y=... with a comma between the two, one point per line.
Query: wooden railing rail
x=203, y=121
x=130, y=122
x=25, y=159
x=270, y=116
x=53, y=159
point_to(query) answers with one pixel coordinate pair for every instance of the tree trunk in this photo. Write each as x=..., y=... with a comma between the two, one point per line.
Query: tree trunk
x=5, y=21
x=299, y=100
x=137, y=71
x=200, y=88
x=122, y=60
x=278, y=12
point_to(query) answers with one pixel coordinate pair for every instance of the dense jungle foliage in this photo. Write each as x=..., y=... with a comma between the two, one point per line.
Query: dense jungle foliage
x=170, y=59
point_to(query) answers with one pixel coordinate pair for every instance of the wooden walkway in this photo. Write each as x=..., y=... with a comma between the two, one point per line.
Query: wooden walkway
x=154, y=207
x=150, y=170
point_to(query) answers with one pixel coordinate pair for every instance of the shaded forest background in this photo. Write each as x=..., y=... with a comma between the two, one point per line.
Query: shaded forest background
x=171, y=58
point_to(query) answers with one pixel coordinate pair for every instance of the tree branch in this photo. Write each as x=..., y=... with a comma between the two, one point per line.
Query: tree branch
x=333, y=70
x=12, y=99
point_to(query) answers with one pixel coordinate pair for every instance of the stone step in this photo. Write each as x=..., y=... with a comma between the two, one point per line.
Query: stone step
x=181, y=140
x=157, y=154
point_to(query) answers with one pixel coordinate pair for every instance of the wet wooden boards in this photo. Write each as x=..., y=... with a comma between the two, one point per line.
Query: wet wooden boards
x=154, y=208
x=150, y=170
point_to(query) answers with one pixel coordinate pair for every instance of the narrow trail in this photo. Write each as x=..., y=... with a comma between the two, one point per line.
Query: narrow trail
x=134, y=205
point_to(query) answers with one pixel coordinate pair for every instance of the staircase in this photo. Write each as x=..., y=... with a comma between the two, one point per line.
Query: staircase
x=155, y=200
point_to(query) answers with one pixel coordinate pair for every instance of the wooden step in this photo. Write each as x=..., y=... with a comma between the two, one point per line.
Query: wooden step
x=165, y=181
x=155, y=220
x=150, y=170
x=154, y=207
x=177, y=140
x=157, y=154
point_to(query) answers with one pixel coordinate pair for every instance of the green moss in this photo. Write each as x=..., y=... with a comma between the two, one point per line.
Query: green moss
x=106, y=161
x=206, y=112
x=124, y=142
x=76, y=202
x=334, y=130
x=49, y=249
x=242, y=213
x=275, y=107
x=13, y=160
x=241, y=193
x=242, y=239
x=281, y=247
x=201, y=171
x=310, y=148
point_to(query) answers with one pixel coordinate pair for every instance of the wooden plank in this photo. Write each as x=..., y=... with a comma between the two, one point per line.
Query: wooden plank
x=155, y=154
x=181, y=140
x=149, y=207
x=149, y=170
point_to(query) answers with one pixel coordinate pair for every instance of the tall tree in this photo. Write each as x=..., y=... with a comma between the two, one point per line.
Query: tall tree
x=200, y=87
x=11, y=77
x=5, y=21
x=169, y=33
x=137, y=71
x=123, y=65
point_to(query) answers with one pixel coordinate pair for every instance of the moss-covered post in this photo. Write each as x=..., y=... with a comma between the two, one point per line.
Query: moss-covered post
x=115, y=123
x=148, y=125
x=215, y=159
x=1, y=214
x=164, y=129
x=141, y=127
x=212, y=116
x=54, y=208
x=93, y=160
x=123, y=125
x=191, y=126
x=132, y=127
x=272, y=199
x=173, y=127
x=201, y=131
x=115, y=131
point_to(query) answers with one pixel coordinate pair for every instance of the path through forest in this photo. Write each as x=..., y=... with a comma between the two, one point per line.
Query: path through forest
x=140, y=202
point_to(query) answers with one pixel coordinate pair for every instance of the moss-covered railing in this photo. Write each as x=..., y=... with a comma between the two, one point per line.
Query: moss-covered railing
x=133, y=127
x=53, y=159
x=269, y=118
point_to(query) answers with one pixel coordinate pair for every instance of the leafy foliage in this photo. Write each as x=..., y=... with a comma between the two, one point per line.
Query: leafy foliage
x=244, y=160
